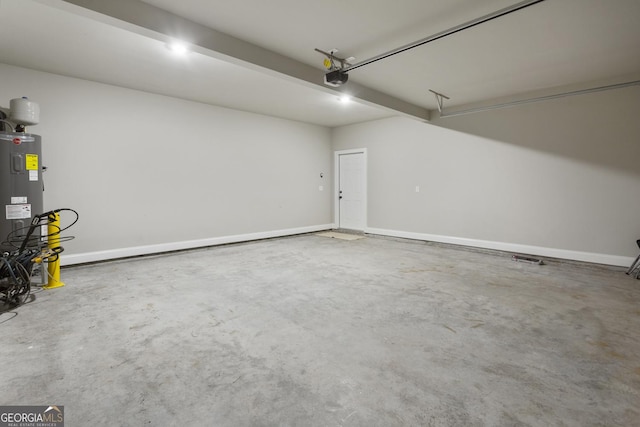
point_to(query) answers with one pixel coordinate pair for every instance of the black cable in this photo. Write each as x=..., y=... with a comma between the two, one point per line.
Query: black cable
x=17, y=266
x=10, y=268
x=15, y=287
x=25, y=288
x=65, y=210
x=17, y=239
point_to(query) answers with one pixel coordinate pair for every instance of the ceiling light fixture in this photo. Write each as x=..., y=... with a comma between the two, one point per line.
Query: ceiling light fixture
x=178, y=48
x=344, y=98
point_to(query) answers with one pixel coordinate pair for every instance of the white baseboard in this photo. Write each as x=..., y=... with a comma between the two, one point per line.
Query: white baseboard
x=606, y=259
x=596, y=258
x=82, y=258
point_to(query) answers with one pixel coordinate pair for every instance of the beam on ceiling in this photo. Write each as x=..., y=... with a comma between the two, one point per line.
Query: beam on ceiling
x=539, y=99
x=148, y=20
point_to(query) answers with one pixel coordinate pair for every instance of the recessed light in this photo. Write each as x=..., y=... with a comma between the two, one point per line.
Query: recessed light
x=344, y=98
x=178, y=48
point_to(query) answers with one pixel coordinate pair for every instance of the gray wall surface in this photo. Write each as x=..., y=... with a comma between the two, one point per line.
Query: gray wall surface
x=562, y=174
x=146, y=169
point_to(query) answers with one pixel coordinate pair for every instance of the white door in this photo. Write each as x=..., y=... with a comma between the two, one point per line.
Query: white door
x=352, y=191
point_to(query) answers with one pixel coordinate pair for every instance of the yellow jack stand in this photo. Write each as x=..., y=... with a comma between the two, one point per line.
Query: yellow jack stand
x=53, y=268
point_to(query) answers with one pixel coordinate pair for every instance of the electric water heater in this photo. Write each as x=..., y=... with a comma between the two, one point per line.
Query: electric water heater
x=21, y=188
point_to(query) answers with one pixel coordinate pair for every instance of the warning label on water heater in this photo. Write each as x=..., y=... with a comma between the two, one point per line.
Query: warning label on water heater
x=31, y=161
x=18, y=211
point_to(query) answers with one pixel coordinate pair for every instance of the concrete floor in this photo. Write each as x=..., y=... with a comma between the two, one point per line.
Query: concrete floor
x=314, y=331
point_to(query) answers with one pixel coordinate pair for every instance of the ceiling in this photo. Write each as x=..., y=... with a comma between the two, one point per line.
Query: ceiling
x=259, y=56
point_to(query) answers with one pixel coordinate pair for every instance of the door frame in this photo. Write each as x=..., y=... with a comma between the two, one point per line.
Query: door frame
x=336, y=185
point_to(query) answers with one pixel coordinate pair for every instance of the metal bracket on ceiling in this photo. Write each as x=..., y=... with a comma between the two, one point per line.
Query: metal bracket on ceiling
x=332, y=59
x=439, y=99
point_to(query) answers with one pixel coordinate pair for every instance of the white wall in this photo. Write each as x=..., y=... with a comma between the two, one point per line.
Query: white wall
x=150, y=173
x=558, y=178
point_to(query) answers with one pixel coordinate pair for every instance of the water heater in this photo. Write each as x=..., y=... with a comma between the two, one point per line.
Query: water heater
x=21, y=187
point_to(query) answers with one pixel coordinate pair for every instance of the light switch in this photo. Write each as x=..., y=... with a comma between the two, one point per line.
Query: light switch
x=321, y=188
x=417, y=188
